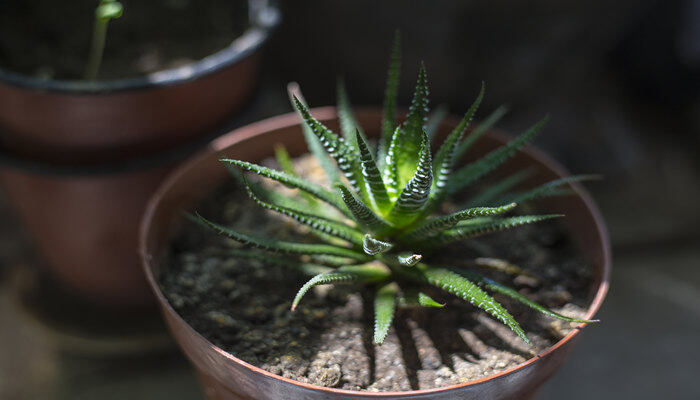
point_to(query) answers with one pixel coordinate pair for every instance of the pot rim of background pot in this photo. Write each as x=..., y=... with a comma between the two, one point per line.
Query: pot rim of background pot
x=263, y=18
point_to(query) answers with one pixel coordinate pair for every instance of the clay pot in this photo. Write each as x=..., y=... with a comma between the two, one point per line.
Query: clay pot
x=83, y=121
x=226, y=377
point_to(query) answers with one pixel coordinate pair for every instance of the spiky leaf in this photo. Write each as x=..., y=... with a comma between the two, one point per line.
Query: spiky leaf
x=373, y=246
x=275, y=245
x=391, y=170
x=315, y=222
x=514, y=294
x=436, y=225
x=344, y=155
x=312, y=141
x=390, y=94
x=550, y=188
x=444, y=158
x=367, y=273
x=468, y=174
x=481, y=226
x=349, y=127
x=384, y=310
x=496, y=190
x=417, y=191
x=372, y=177
x=413, y=297
x=479, y=131
x=408, y=259
x=412, y=133
x=460, y=286
x=361, y=212
x=317, y=191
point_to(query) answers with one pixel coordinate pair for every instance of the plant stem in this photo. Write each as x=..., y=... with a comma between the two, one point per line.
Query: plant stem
x=99, y=35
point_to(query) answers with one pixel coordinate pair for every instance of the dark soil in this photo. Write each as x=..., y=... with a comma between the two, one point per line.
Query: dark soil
x=244, y=308
x=51, y=39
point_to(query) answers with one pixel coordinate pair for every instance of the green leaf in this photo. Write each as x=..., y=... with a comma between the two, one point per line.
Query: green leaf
x=408, y=259
x=417, y=191
x=480, y=129
x=390, y=94
x=391, y=171
x=551, y=188
x=444, y=158
x=312, y=141
x=317, y=191
x=496, y=190
x=348, y=125
x=285, y=262
x=361, y=213
x=481, y=226
x=374, y=246
x=413, y=297
x=436, y=225
x=461, y=287
x=372, y=177
x=384, y=310
x=412, y=134
x=276, y=245
x=345, y=156
x=492, y=160
x=435, y=120
x=366, y=273
x=514, y=294
x=315, y=222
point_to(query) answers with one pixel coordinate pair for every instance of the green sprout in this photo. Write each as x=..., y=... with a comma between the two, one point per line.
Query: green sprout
x=105, y=11
x=379, y=221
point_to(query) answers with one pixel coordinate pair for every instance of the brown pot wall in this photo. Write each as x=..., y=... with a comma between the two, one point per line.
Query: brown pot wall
x=227, y=377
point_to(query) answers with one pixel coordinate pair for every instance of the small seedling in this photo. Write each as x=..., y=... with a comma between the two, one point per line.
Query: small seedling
x=380, y=221
x=105, y=11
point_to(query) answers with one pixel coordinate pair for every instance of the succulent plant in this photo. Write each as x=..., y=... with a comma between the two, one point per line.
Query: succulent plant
x=380, y=222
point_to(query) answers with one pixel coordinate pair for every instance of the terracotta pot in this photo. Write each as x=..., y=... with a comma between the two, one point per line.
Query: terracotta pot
x=82, y=121
x=226, y=377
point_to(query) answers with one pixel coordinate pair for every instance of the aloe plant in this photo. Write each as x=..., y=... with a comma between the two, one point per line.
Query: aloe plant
x=379, y=219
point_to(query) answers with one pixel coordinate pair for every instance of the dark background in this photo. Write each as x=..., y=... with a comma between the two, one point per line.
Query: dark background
x=621, y=82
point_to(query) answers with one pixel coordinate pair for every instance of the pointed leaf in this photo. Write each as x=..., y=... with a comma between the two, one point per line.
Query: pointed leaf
x=461, y=287
x=312, y=141
x=345, y=156
x=390, y=94
x=475, y=134
x=496, y=190
x=384, y=311
x=444, y=158
x=408, y=259
x=412, y=134
x=276, y=245
x=468, y=174
x=358, y=273
x=481, y=226
x=372, y=177
x=417, y=191
x=315, y=222
x=391, y=171
x=349, y=127
x=413, y=298
x=361, y=213
x=514, y=294
x=551, y=188
x=293, y=181
x=436, y=225
x=374, y=246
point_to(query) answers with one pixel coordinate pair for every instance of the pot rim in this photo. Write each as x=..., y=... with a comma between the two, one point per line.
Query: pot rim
x=263, y=18
x=321, y=113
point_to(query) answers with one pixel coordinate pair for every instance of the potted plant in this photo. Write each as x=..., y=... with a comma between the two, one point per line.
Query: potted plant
x=392, y=223
x=97, y=132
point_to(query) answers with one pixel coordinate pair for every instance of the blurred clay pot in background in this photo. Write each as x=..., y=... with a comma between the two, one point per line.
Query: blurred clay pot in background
x=79, y=159
x=91, y=121
x=226, y=377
